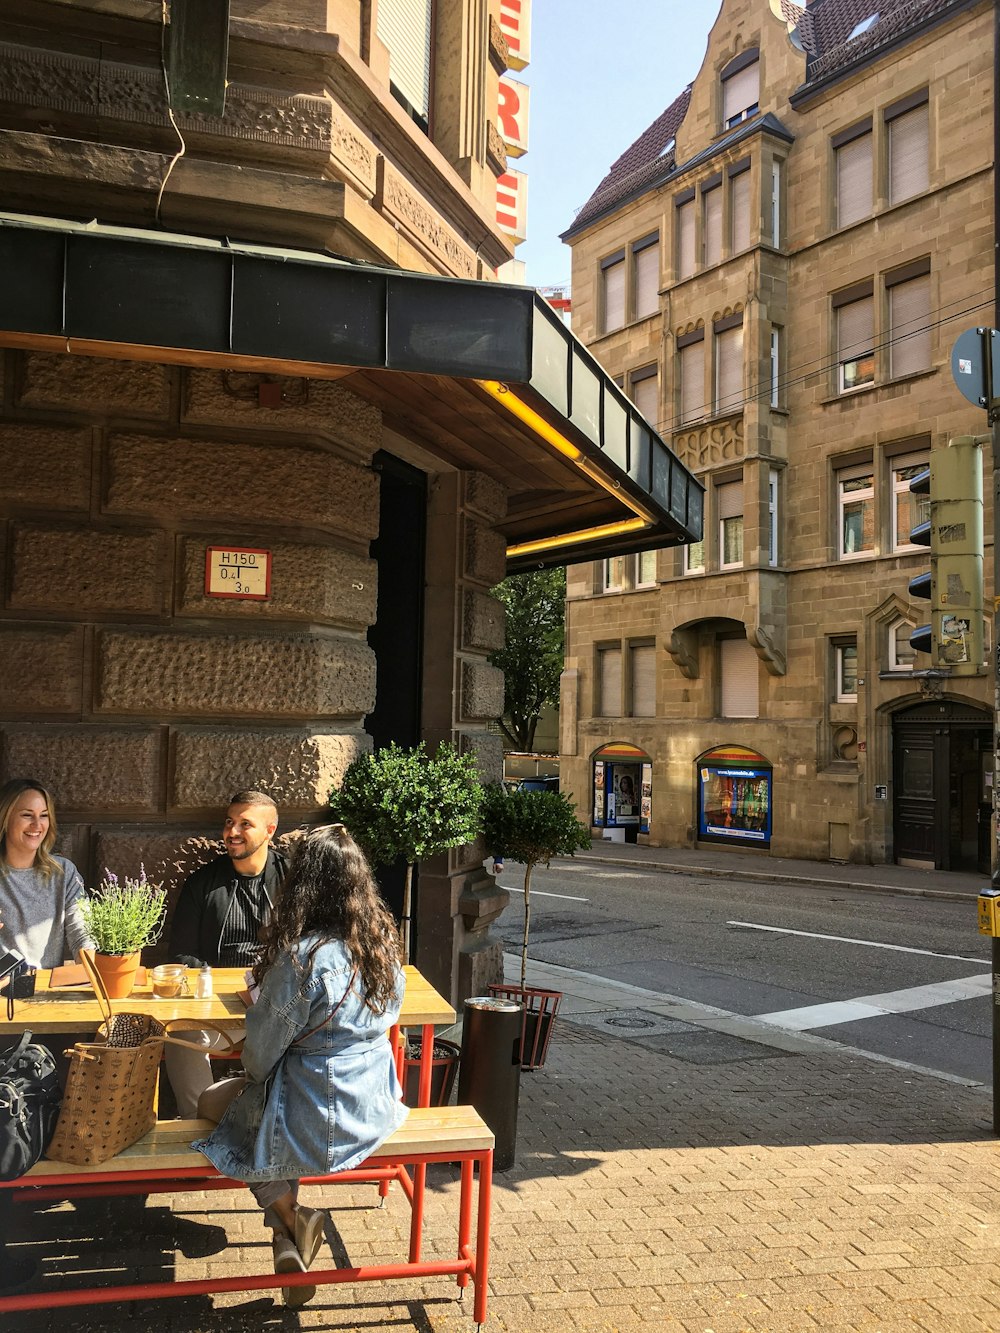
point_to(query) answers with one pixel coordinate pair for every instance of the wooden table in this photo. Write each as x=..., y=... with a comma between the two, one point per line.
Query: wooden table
x=75, y=1009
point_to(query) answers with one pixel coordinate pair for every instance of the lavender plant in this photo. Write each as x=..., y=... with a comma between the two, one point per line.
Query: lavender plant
x=122, y=916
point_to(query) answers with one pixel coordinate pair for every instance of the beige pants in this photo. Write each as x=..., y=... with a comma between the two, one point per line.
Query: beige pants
x=190, y=1072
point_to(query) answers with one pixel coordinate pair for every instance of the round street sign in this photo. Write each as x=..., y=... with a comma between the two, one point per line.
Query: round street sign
x=968, y=364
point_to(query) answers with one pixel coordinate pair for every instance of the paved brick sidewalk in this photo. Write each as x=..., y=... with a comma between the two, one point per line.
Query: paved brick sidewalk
x=662, y=1183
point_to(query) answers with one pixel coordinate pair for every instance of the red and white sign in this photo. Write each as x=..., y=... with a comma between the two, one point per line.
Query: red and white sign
x=238, y=571
x=512, y=116
x=515, y=22
x=512, y=205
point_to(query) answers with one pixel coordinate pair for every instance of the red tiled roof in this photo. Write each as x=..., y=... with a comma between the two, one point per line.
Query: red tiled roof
x=647, y=160
x=823, y=27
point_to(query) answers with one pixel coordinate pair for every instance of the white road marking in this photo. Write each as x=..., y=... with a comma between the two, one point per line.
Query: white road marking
x=847, y=939
x=878, y=1006
x=538, y=893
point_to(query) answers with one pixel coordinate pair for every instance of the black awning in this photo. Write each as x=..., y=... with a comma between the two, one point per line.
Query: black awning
x=514, y=393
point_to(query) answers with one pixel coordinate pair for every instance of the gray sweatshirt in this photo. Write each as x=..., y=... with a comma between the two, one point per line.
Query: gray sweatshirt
x=41, y=914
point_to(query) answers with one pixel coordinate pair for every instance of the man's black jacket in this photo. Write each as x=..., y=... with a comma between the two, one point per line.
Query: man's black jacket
x=203, y=905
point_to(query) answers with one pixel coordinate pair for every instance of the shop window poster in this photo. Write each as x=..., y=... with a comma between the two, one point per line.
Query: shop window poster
x=735, y=804
x=599, y=793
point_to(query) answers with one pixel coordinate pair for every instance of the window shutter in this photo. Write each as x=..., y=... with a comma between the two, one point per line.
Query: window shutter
x=713, y=226
x=685, y=240
x=739, y=671
x=729, y=371
x=692, y=381
x=741, y=211
x=614, y=296
x=854, y=180
x=647, y=281
x=908, y=137
x=909, y=317
x=855, y=329
x=610, y=660
x=646, y=397
x=741, y=91
x=404, y=26
x=729, y=498
x=644, y=680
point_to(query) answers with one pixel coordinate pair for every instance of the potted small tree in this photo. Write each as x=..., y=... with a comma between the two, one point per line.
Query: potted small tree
x=404, y=805
x=531, y=827
x=122, y=917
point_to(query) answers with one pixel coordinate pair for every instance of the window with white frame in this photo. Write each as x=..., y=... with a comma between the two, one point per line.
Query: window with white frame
x=908, y=131
x=686, y=233
x=902, y=655
x=728, y=363
x=645, y=393
x=772, y=517
x=711, y=222
x=613, y=574
x=845, y=655
x=691, y=373
x=908, y=294
x=856, y=511
x=852, y=153
x=405, y=28
x=646, y=276
x=775, y=366
x=609, y=681
x=739, y=679
x=776, y=204
x=729, y=504
x=739, y=206
x=694, y=558
x=613, y=291
x=645, y=569
x=642, y=679
x=908, y=510
x=854, y=312
x=741, y=88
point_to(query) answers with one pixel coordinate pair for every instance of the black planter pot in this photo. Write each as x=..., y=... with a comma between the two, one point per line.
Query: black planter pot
x=444, y=1067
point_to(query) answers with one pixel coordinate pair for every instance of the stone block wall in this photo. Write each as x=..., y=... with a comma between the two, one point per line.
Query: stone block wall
x=140, y=700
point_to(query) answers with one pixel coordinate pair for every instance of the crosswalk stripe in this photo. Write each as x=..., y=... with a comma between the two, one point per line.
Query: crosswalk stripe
x=878, y=1006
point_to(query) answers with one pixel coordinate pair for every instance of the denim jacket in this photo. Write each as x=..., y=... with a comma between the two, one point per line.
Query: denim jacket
x=324, y=1104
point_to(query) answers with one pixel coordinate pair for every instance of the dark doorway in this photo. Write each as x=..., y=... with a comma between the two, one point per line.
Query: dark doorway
x=396, y=638
x=942, y=754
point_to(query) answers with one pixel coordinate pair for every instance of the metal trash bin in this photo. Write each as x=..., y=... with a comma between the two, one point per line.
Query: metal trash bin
x=489, y=1076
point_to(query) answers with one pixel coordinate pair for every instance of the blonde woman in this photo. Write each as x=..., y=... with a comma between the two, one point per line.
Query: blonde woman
x=39, y=893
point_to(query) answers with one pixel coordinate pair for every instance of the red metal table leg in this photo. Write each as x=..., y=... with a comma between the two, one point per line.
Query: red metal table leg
x=483, y=1237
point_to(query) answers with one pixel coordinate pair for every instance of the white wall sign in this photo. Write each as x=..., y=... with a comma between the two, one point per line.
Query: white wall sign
x=512, y=204
x=515, y=23
x=512, y=116
x=237, y=571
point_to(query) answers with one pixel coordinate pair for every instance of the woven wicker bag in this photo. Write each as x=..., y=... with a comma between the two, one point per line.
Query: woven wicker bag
x=109, y=1102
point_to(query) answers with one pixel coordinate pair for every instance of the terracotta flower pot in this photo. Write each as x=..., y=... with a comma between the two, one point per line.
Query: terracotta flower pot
x=117, y=971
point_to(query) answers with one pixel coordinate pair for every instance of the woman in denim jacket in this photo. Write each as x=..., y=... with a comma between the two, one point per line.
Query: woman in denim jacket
x=322, y=1089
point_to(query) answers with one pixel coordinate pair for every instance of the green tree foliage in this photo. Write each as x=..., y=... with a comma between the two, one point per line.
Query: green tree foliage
x=404, y=804
x=532, y=657
x=531, y=826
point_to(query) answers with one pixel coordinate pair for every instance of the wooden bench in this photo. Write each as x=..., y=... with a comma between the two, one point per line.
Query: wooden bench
x=164, y=1163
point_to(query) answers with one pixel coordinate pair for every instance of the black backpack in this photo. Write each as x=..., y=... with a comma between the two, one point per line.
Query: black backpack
x=29, y=1105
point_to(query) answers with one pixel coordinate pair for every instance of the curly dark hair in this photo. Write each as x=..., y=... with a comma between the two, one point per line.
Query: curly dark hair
x=330, y=892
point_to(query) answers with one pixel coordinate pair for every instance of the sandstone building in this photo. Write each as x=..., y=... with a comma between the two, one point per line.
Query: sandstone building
x=776, y=272
x=270, y=330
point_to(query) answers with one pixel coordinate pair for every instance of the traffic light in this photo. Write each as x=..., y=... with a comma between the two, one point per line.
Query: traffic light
x=954, y=585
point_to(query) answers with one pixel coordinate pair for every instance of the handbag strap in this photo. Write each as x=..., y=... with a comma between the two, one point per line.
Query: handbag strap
x=97, y=981
x=350, y=983
x=12, y=1056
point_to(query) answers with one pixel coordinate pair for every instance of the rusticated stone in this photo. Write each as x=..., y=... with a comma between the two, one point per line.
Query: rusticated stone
x=290, y=676
x=40, y=669
x=321, y=407
x=486, y=496
x=86, y=569
x=485, y=553
x=297, y=768
x=93, y=384
x=167, y=857
x=101, y=769
x=253, y=482
x=64, y=480
x=482, y=621
x=488, y=751
x=72, y=841
x=482, y=690
x=308, y=582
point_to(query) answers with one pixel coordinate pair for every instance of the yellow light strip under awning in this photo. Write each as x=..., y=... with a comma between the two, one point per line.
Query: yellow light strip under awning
x=581, y=535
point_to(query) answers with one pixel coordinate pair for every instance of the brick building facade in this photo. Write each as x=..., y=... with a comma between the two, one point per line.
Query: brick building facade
x=776, y=272
x=254, y=330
